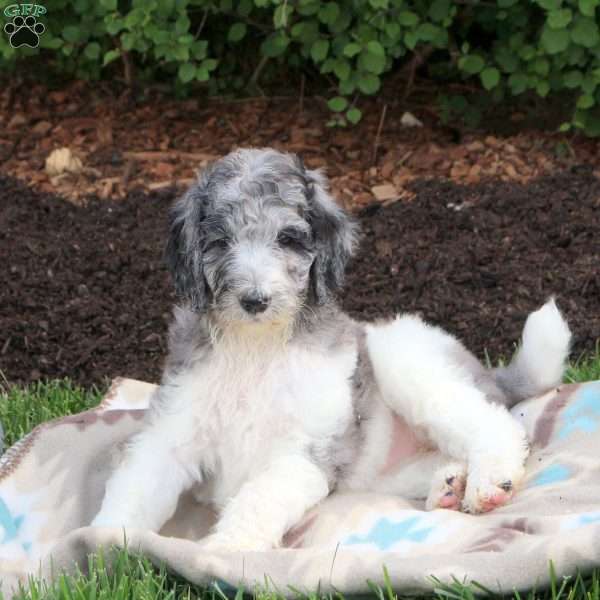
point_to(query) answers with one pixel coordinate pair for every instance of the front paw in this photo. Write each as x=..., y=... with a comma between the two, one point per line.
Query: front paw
x=226, y=542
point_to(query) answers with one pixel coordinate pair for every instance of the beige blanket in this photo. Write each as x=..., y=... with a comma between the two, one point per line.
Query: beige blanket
x=52, y=482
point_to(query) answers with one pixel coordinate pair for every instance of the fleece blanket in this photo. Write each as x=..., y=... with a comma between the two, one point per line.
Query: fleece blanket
x=52, y=483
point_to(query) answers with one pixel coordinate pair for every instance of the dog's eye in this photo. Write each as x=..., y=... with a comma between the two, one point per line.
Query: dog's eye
x=217, y=244
x=291, y=239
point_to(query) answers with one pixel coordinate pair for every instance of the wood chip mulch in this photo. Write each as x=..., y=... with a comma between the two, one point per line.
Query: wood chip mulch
x=116, y=145
x=84, y=292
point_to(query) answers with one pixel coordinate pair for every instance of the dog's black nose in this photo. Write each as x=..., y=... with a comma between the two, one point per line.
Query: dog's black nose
x=254, y=304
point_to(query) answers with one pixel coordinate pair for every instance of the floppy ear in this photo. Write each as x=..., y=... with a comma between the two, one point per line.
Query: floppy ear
x=335, y=235
x=183, y=253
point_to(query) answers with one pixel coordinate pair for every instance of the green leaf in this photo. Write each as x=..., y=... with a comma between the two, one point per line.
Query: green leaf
x=368, y=83
x=379, y=4
x=518, y=83
x=337, y=104
x=329, y=13
x=585, y=101
x=327, y=66
x=347, y=86
x=351, y=49
x=275, y=45
x=186, y=72
x=588, y=7
x=110, y=56
x=308, y=8
x=354, y=115
x=319, y=50
x=490, y=77
x=372, y=58
x=374, y=63
x=572, y=79
x=166, y=6
x=53, y=43
x=71, y=33
x=585, y=32
x=549, y=4
x=135, y=17
x=559, y=19
x=506, y=59
x=375, y=48
x=471, y=64
x=210, y=64
x=244, y=8
x=237, y=32
x=202, y=74
x=92, y=50
x=540, y=66
x=342, y=69
x=542, y=88
x=180, y=53
x=182, y=25
x=411, y=39
x=109, y=4
x=113, y=26
x=428, y=32
x=282, y=15
x=392, y=30
x=555, y=41
x=408, y=18
x=186, y=39
x=439, y=10
x=527, y=52
x=199, y=49
x=589, y=84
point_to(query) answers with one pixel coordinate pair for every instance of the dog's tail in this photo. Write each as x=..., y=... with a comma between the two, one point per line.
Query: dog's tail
x=539, y=363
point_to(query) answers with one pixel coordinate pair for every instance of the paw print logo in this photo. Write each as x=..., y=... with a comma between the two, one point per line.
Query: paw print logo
x=24, y=31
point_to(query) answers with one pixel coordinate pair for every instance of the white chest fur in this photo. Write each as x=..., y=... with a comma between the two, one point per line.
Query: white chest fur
x=246, y=405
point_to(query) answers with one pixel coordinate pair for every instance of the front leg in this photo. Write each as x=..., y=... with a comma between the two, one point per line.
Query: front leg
x=144, y=490
x=269, y=504
x=420, y=377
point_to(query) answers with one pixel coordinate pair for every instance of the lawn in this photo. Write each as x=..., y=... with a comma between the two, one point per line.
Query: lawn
x=135, y=578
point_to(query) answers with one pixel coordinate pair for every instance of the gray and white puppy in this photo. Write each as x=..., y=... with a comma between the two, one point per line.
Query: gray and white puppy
x=272, y=397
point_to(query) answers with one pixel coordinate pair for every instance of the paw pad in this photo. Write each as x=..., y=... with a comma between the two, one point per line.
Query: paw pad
x=24, y=31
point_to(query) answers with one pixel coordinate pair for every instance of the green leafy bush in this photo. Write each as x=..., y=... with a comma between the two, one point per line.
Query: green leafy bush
x=511, y=47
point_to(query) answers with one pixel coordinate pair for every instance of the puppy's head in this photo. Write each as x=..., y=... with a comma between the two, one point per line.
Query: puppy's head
x=256, y=238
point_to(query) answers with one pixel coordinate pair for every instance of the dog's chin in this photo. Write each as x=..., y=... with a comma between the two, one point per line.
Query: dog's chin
x=273, y=319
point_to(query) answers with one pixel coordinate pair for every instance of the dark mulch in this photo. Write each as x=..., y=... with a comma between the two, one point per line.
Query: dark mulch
x=84, y=294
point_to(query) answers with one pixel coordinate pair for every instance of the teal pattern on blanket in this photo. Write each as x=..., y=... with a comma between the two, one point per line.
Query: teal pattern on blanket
x=11, y=526
x=555, y=473
x=583, y=414
x=589, y=518
x=386, y=533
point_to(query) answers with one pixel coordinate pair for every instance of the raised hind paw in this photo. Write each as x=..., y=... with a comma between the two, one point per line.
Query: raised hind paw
x=488, y=489
x=447, y=487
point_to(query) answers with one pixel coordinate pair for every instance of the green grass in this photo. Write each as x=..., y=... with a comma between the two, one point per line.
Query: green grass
x=22, y=409
x=135, y=578
x=585, y=368
x=132, y=577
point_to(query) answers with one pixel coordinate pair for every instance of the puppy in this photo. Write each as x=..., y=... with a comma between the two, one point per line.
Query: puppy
x=272, y=397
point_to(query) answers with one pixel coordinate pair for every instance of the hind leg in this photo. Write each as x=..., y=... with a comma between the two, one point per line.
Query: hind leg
x=420, y=378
